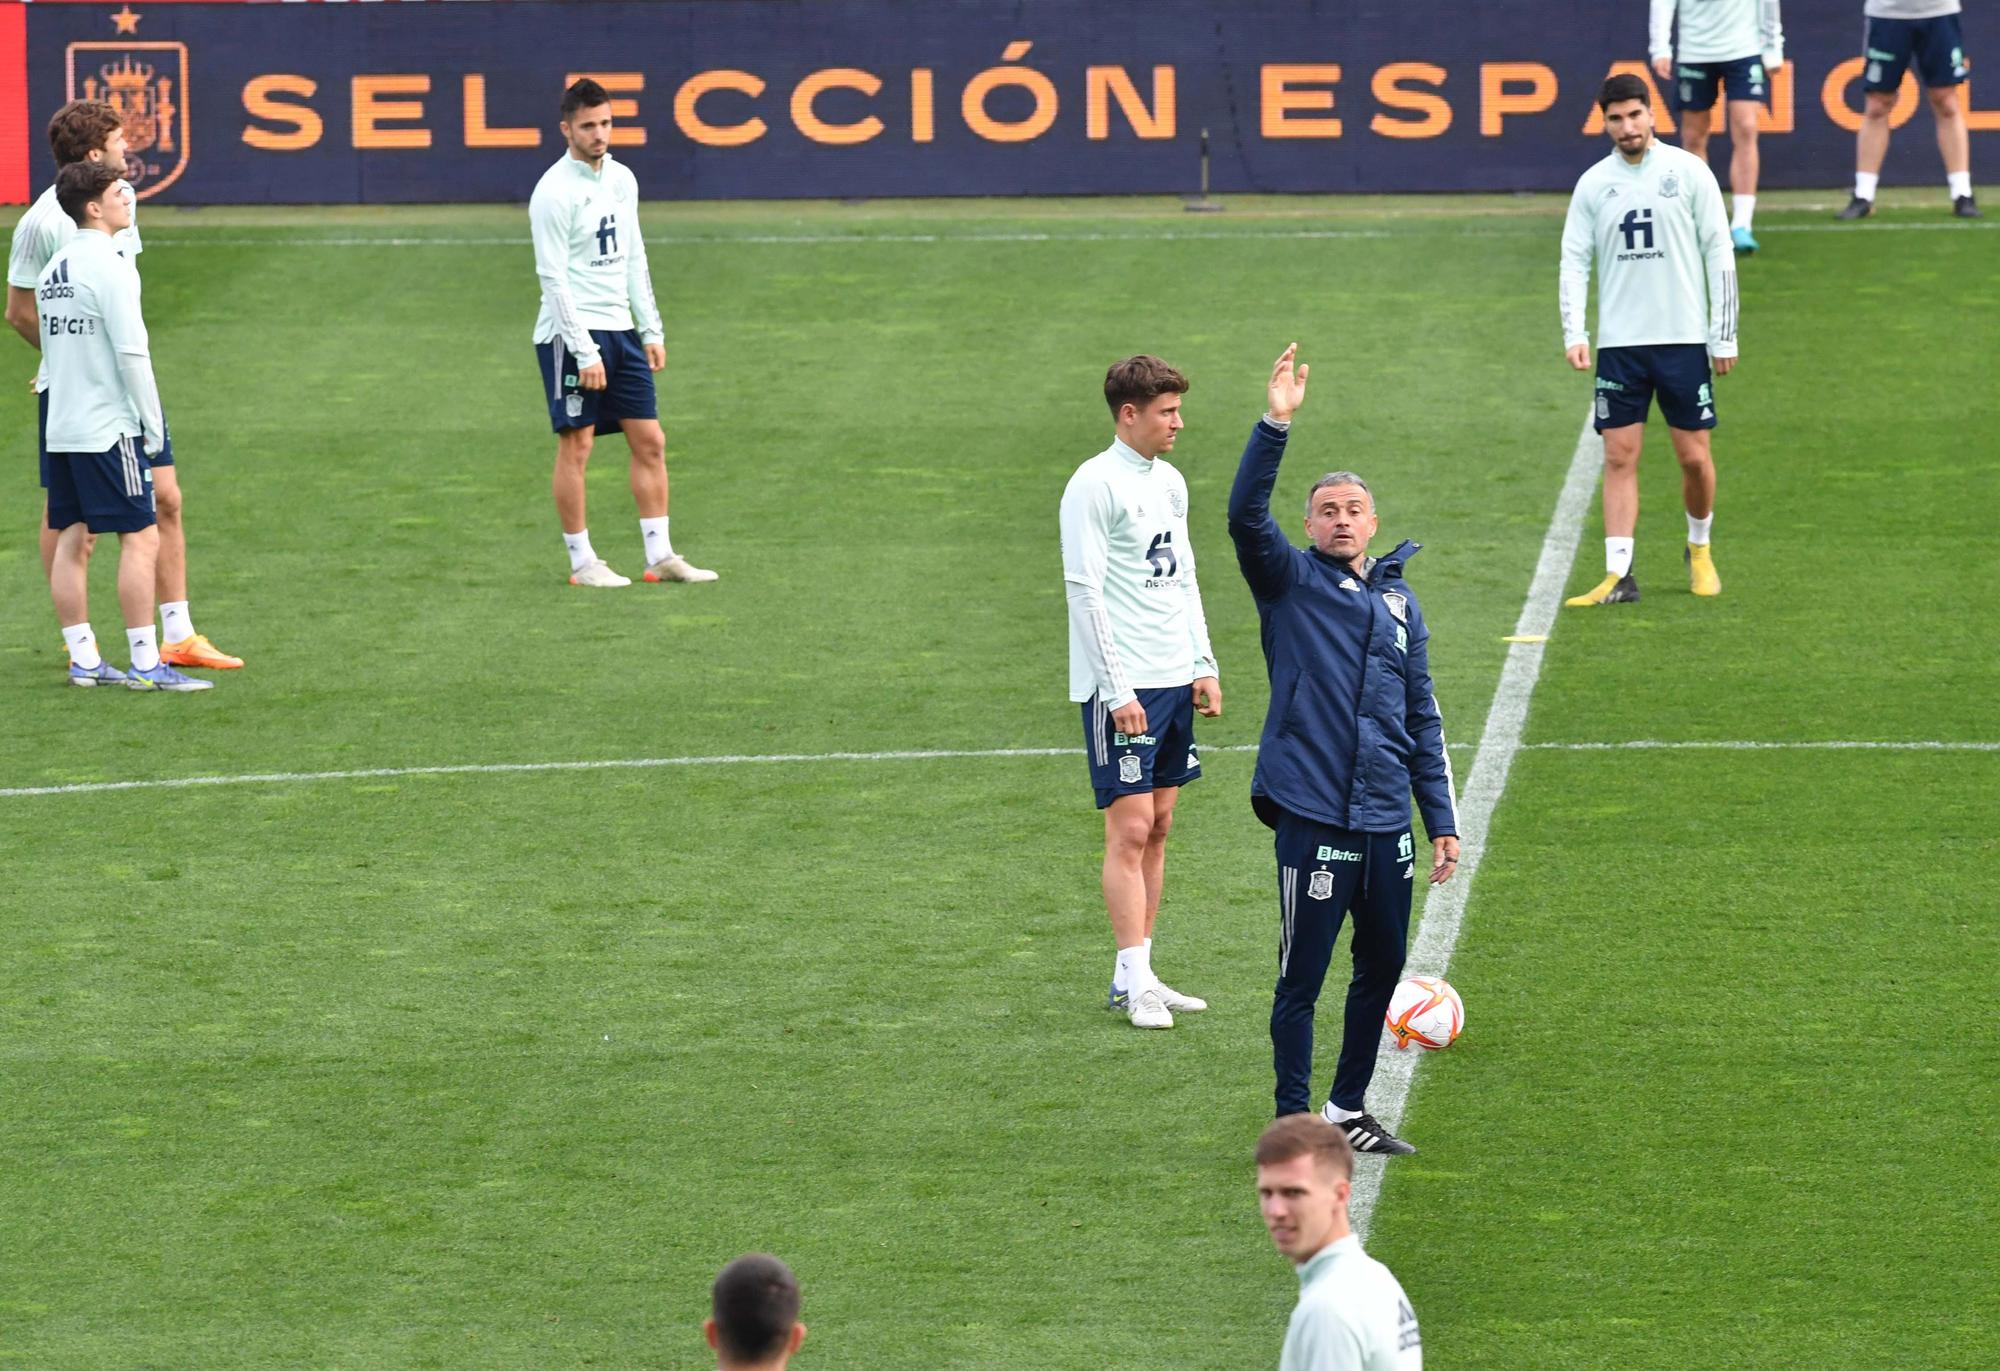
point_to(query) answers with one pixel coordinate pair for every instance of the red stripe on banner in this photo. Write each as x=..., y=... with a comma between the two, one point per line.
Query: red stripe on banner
x=13, y=104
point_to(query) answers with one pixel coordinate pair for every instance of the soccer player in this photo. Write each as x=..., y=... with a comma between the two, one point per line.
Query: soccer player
x=104, y=420
x=1352, y=1314
x=754, y=1320
x=1734, y=45
x=1139, y=661
x=1353, y=730
x=1666, y=303
x=1925, y=32
x=92, y=131
x=597, y=367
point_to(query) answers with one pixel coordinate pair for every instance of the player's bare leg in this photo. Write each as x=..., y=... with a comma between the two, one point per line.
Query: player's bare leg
x=1744, y=166
x=586, y=568
x=69, y=574
x=138, y=570
x=1153, y=863
x=1153, y=866
x=1871, y=145
x=1694, y=132
x=1128, y=829
x=1955, y=147
x=69, y=579
x=649, y=492
x=170, y=568
x=1621, y=516
x=48, y=538
x=1691, y=450
x=180, y=645
x=1621, y=479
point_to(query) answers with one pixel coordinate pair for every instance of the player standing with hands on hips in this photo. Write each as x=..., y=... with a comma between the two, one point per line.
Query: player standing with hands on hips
x=1353, y=729
x=1651, y=215
x=597, y=367
x=1140, y=663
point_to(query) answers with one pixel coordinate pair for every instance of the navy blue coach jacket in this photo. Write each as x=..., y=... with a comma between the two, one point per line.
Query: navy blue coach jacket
x=1354, y=727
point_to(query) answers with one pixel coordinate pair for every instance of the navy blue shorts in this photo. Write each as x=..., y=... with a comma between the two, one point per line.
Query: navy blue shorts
x=107, y=492
x=628, y=383
x=1628, y=378
x=1936, y=46
x=1744, y=79
x=1161, y=757
x=165, y=459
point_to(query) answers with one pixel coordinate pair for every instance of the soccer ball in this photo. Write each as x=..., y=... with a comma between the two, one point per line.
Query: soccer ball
x=1425, y=1012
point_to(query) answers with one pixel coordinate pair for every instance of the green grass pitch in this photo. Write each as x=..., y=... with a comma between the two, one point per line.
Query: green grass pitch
x=495, y=1069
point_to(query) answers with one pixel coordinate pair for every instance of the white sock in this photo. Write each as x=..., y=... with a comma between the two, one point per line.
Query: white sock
x=1135, y=970
x=1698, y=530
x=1118, y=972
x=82, y=646
x=176, y=624
x=1960, y=183
x=145, y=652
x=1741, y=209
x=581, y=553
x=1865, y=183
x=1618, y=556
x=659, y=546
x=1339, y=1115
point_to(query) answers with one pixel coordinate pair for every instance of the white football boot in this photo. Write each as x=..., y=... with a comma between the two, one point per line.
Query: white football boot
x=597, y=574
x=677, y=568
x=1147, y=1010
x=1179, y=1003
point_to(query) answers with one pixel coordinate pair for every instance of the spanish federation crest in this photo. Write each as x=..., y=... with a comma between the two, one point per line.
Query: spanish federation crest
x=1399, y=605
x=147, y=84
x=1128, y=770
x=1320, y=887
x=1178, y=503
x=1670, y=185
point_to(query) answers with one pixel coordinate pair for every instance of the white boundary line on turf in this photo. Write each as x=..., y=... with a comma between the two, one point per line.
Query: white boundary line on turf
x=1025, y=236
x=379, y=773
x=1444, y=906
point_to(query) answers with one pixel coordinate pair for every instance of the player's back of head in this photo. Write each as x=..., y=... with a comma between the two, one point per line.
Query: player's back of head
x=755, y=1314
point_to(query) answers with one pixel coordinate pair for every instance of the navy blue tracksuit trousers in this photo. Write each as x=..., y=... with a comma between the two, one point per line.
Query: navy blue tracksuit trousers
x=1323, y=874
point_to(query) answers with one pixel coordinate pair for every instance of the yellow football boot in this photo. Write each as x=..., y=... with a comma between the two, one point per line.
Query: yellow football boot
x=1702, y=579
x=1612, y=590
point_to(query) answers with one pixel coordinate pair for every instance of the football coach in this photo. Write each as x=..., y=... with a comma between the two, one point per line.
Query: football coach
x=1353, y=729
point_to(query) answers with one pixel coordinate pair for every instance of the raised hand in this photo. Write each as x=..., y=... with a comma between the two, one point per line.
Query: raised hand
x=1288, y=391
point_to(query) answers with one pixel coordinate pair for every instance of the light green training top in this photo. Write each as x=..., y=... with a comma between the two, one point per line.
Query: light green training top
x=1352, y=1315
x=1719, y=31
x=101, y=386
x=43, y=230
x=1666, y=268
x=589, y=257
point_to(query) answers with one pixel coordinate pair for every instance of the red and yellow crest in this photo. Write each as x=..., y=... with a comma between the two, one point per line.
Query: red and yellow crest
x=147, y=84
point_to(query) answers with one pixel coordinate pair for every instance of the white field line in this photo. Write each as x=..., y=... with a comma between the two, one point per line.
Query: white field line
x=379, y=773
x=1444, y=906
x=978, y=236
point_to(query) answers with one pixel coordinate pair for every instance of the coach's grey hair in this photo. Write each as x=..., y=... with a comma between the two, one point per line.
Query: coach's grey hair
x=1339, y=478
